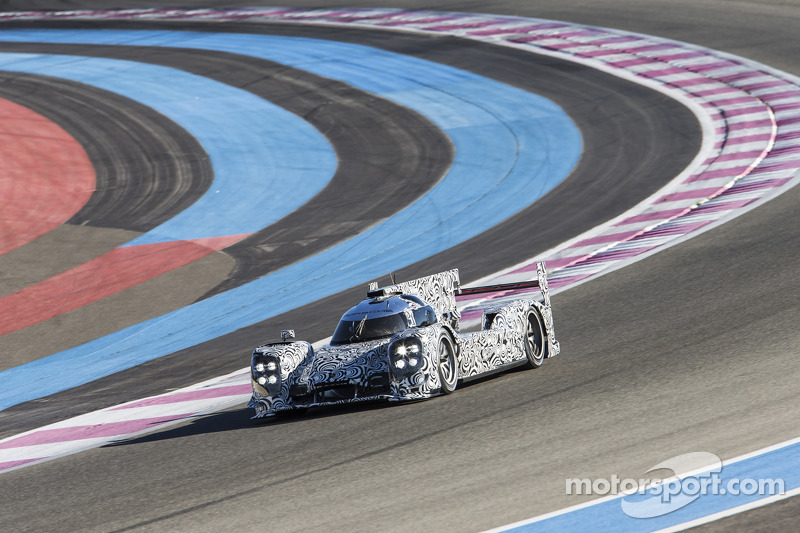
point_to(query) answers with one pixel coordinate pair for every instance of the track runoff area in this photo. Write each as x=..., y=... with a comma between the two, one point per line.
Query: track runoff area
x=750, y=120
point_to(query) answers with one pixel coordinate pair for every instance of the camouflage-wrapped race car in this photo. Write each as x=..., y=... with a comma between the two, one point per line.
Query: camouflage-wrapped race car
x=403, y=343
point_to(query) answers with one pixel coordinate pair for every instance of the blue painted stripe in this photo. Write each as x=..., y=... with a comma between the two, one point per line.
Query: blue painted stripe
x=510, y=148
x=778, y=464
x=266, y=161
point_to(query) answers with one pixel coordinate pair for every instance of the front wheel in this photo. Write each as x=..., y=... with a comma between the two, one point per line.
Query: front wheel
x=534, y=340
x=448, y=364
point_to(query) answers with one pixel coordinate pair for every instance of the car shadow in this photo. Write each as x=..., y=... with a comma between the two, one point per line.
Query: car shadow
x=239, y=419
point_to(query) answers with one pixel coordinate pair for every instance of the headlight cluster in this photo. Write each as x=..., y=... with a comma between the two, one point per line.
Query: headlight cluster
x=405, y=356
x=266, y=371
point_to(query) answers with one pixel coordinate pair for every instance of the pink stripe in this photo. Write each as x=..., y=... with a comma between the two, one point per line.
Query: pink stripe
x=714, y=112
x=655, y=215
x=602, y=239
x=503, y=294
x=599, y=53
x=418, y=21
x=775, y=152
x=712, y=92
x=745, y=111
x=748, y=138
x=110, y=429
x=751, y=124
x=633, y=62
x=756, y=186
x=741, y=76
x=580, y=33
x=690, y=82
x=711, y=66
x=752, y=87
x=726, y=206
x=242, y=16
x=204, y=394
x=12, y=464
x=332, y=15
x=687, y=195
x=788, y=121
x=551, y=263
x=569, y=280
x=472, y=314
x=786, y=107
x=529, y=38
x=683, y=55
x=781, y=96
x=721, y=173
x=566, y=46
x=780, y=165
x=615, y=40
x=498, y=294
x=357, y=17
x=657, y=73
x=469, y=297
x=682, y=229
x=754, y=154
x=615, y=255
x=650, y=48
x=522, y=29
x=463, y=26
x=732, y=101
x=497, y=31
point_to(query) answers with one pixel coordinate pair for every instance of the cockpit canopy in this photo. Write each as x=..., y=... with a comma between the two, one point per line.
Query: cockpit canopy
x=381, y=317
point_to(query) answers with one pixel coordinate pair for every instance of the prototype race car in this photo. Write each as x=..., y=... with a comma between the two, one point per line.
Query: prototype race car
x=403, y=343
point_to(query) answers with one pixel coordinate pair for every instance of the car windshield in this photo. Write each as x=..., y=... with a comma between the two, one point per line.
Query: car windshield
x=366, y=329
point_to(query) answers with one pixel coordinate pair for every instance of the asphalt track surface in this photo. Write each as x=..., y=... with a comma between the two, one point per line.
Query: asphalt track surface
x=692, y=349
x=173, y=163
x=389, y=154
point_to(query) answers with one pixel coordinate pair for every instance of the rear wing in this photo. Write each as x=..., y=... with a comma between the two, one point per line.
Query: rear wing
x=539, y=283
x=440, y=290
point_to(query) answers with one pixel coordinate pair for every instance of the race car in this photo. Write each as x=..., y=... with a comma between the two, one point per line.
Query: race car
x=403, y=342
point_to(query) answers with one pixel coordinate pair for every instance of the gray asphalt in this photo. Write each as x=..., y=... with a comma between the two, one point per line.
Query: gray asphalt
x=692, y=349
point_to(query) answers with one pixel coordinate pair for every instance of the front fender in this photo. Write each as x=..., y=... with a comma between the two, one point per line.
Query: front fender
x=271, y=369
x=421, y=380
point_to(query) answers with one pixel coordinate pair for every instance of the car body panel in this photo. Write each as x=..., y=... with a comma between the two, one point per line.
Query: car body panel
x=404, y=365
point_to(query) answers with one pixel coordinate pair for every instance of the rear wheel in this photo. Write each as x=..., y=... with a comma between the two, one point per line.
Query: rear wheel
x=534, y=340
x=448, y=364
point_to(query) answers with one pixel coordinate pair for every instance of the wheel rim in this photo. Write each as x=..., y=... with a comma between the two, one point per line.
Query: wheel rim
x=534, y=337
x=446, y=363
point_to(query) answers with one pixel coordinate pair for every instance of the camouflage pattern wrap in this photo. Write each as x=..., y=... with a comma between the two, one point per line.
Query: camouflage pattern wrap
x=402, y=366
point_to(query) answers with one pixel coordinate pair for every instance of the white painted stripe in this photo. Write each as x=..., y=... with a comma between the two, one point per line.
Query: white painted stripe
x=731, y=512
x=610, y=497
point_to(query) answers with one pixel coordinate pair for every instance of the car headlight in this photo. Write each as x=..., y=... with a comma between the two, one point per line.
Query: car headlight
x=266, y=371
x=405, y=356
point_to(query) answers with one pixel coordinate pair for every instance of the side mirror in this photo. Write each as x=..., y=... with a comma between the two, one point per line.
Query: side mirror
x=287, y=334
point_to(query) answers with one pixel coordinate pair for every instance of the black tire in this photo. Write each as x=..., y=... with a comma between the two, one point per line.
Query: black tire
x=447, y=363
x=535, y=340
